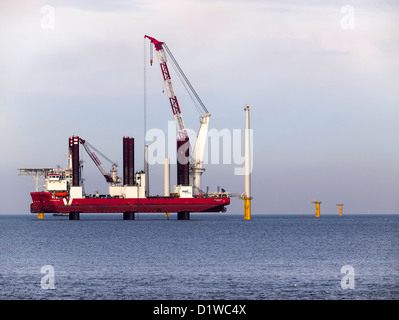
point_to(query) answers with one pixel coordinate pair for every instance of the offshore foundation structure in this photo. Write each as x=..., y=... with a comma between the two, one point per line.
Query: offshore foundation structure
x=64, y=190
x=317, y=208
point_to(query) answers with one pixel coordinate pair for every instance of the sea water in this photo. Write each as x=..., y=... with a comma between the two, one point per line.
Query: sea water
x=211, y=256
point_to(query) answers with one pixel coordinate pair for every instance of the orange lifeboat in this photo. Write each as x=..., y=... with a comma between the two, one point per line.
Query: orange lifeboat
x=61, y=194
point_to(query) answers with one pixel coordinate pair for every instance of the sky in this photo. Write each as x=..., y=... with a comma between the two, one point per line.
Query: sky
x=321, y=78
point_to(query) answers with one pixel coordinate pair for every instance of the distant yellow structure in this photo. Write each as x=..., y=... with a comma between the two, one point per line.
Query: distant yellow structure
x=340, y=208
x=40, y=215
x=317, y=208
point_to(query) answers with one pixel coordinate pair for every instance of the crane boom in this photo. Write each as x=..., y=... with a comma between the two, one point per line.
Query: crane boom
x=181, y=129
x=196, y=168
x=110, y=178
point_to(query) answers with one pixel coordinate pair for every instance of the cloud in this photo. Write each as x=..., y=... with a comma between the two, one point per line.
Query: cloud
x=235, y=39
x=101, y=5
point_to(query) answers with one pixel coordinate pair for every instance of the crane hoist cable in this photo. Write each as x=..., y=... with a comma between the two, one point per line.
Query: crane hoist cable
x=205, y=110
x=90, y=151
x=100, y=153
x=174, y=103
x=161, y=50
x=201, y=112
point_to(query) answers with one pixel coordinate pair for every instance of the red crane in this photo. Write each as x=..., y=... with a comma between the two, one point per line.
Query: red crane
x=196, y=168
x=159, y=49
x=109, y=177
x=169, y=87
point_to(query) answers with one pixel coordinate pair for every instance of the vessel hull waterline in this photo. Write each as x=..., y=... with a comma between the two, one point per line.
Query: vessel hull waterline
x=43, y=202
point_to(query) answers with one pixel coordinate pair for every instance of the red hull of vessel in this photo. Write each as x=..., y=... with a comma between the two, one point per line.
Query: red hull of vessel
x=44, y=203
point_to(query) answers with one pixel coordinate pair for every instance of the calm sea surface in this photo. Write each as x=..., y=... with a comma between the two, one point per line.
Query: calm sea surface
x=212, y=256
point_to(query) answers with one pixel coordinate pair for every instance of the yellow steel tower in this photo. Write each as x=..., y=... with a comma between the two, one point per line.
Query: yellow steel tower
x=317, y=208
x=340, y=208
